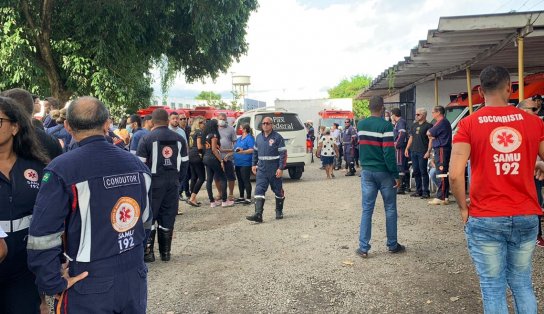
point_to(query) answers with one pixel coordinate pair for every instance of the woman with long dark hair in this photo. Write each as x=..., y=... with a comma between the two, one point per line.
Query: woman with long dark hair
x=214, y=164
x=196, y=150
x=22, y=161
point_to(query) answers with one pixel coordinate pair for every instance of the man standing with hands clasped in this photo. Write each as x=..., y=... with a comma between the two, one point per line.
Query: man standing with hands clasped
x=501, y=221
x=269, y=160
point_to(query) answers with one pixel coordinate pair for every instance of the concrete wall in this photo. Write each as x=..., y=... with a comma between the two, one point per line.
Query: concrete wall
x=425, y=92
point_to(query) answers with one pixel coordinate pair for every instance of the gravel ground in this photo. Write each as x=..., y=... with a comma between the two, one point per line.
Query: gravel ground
x=305, y=263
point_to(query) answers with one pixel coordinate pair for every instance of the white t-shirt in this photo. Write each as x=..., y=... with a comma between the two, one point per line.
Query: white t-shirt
x=327, y=149
x=336, y=136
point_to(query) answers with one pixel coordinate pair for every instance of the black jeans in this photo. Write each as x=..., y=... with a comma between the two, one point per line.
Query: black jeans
x=198, y=176
x=243, y=173
x=214, y=170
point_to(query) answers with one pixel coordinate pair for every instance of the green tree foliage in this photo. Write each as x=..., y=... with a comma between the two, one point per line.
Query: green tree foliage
x=350, y=88
x=107, y=48
x=212, y=99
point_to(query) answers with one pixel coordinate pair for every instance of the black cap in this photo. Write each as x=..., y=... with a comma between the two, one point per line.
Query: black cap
x=537, y=96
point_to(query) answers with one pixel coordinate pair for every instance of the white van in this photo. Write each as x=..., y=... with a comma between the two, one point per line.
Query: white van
x=290, y=127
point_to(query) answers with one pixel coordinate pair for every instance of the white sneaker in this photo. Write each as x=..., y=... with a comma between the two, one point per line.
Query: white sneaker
x=437, y=201
x=227, y=204
x=215, y=204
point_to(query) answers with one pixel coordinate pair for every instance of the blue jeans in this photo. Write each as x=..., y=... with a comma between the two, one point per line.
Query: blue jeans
x=420, y=175
x=502, y=250
x=371, y=183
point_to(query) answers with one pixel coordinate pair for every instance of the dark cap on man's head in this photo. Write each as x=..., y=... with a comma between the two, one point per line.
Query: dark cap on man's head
x=537, y=96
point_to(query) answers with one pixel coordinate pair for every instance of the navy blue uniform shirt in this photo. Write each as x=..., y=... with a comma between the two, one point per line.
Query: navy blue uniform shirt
x=270, y=152
x=163, y=151
x=17, y=197
x=93, y=204
x=441, y=131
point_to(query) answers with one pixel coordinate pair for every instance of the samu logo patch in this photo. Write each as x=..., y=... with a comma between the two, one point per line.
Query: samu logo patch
x=125, y=214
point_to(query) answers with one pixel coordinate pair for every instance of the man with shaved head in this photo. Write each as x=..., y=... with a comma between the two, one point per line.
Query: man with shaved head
x=93, y=208
x=165, y=153
x=269, y=161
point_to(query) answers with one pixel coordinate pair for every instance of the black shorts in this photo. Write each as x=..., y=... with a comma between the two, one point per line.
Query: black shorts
x=229, y=171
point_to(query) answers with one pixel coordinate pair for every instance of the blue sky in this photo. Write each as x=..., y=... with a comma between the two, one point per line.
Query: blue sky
x=300, y=48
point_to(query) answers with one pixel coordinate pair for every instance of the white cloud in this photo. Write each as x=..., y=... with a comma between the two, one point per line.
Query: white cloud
x=299, y=49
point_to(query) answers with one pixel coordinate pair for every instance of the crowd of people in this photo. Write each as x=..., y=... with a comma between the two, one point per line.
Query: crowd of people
x=83, y=201
x=501, y=216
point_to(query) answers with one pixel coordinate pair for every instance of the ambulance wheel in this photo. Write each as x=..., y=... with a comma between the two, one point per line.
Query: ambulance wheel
x=296, y=173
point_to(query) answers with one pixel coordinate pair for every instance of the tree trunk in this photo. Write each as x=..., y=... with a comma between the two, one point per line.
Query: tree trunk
x=42, y=41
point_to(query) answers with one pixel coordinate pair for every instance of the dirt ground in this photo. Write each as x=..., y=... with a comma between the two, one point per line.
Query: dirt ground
x=305, y=263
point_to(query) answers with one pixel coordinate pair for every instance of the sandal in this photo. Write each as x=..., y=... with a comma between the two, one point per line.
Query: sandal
x=193, y=204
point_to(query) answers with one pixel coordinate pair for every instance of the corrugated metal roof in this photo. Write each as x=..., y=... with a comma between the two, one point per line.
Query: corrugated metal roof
x=461, y=41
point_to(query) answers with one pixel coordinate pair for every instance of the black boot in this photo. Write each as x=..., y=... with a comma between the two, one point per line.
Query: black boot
x=407, y=182
x=149, y=256
x=165, y=243
x=279, y=207
x=259, y=207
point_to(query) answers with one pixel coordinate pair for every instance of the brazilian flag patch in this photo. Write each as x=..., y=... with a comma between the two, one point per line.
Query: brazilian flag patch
x=46, y=177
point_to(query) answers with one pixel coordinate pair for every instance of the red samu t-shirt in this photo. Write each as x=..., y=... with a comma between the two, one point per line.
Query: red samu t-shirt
x=504, y=145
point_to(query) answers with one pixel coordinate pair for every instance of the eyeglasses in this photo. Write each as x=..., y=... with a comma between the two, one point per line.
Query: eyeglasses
x=346, y=121
x=534, y=109
x=2, y=121
x=183, y=118
x=266, y=123
x=418, y=114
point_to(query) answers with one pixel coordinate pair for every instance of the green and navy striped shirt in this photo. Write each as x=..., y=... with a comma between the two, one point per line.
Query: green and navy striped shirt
x=376, y=146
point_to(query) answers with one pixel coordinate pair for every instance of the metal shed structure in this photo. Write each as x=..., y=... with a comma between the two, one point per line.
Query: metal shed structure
x=462, y=45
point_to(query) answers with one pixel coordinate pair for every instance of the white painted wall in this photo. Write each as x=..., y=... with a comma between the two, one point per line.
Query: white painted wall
x=425, y=92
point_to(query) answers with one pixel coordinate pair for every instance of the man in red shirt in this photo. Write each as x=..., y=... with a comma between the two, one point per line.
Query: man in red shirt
x=501, y=221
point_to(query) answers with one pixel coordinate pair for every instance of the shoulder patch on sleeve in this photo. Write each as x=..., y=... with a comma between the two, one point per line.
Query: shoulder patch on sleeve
x=46, y=177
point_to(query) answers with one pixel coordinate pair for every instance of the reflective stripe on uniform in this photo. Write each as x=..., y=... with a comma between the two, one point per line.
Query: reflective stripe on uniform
x=281, y=149
x=18, y=224
x=154, y=155
x=84, y=201
x=45, y=242
x=145, y=216
x=179, y=158
x=268, y=157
